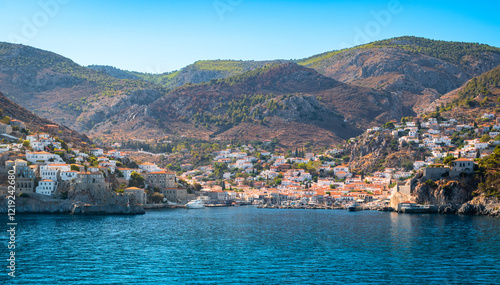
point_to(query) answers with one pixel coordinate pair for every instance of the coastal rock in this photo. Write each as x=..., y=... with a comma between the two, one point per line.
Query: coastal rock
x=444, y=192
x=471, y=209
x=81, y=202
x=448, y=209
x=482, y=205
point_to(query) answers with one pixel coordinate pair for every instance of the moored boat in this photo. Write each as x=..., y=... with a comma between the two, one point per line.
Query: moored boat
x=195, y=204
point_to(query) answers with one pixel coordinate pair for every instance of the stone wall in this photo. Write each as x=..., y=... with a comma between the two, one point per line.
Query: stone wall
x=434, y=173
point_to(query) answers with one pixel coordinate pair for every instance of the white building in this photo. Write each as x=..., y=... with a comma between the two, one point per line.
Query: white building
x=149, y=167
x=49, y=174
x=488, y=116
x=42, y=156
x=4, y=148
x=97, y=151
x=463, y=165
x=69, y=175
x=339, y=168
x=128, y=171
x=419, y=164
x=46, y=187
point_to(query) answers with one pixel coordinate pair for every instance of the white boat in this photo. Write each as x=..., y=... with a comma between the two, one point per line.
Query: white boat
x=195, y=204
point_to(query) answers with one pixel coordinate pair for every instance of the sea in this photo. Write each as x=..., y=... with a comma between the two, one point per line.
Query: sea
x=248, y=245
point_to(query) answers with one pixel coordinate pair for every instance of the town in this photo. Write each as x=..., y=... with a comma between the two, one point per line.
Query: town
x=246, y=174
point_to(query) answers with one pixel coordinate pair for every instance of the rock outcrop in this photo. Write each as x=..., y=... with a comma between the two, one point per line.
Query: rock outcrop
x=481, y=205
x=81, y=202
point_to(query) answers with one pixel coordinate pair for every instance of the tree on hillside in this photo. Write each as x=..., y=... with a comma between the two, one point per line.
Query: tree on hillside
x=136, y=180
x=389, y=125
x=157, y=198
x=485, y=138
x=448, y=160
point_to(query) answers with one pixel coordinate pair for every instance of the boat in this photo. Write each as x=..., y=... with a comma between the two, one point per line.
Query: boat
x=195, y=204
x=355, y=207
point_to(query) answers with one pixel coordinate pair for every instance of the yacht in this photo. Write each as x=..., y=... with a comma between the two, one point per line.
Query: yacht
x=195, y=204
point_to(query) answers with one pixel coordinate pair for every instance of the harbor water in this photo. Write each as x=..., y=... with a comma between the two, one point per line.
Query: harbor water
x=247, y=245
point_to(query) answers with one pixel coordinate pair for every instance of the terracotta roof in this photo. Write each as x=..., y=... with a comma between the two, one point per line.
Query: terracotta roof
x=162, y=172
x=463, y=159
x=41, y=152
x=133, y=188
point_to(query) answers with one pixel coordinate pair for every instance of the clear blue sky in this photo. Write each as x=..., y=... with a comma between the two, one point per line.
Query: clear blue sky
x=159, y=36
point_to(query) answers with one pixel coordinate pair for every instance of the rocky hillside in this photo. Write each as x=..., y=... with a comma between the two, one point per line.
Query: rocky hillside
x=419, y=70
x=114, y=72
x=56, y=88
x=478, y=96
x=198, y=72
x=35, y=123
x=374, y=151
x=328, y=97
x=287, y=101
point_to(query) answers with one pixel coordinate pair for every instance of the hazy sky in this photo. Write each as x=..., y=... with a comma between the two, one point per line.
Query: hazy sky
x=159, y=36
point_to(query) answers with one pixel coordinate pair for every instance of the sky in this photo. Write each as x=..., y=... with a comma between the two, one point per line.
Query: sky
x=161, y=36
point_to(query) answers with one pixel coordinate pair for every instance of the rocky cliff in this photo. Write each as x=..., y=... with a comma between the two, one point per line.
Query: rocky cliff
x=451, y=197
x=81, y=202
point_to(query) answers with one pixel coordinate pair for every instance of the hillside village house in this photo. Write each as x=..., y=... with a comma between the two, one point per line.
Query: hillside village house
x=68, y=175
x=51, y=129
x=42, y=156
x=25, y=176
x=4, y=148
x=46, y=187
x=50, y=174
x=40, y=142
x=344, y=168
x=91, y=180
x=342, y=174
x=139, y=193
x=58, y=166
x=149, y=167
x=96, y=151
x=16, y=123
x=488, y=116
x=57, y=170
x=128, y=171
x=419, y=164
x=176, y=195
x=5, y=129
x=463, y=165
x=161, y=179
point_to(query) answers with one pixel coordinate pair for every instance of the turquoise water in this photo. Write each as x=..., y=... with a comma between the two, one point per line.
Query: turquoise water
x=246, y=245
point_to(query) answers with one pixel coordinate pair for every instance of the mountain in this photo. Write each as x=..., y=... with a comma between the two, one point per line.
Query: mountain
x=280, y=100
x=114, y=72
x=198, y=72
x=418, y=70
x=478, y=96
x=325, y=98
x=466, y=104
x=55, y=87
x=36, y=123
